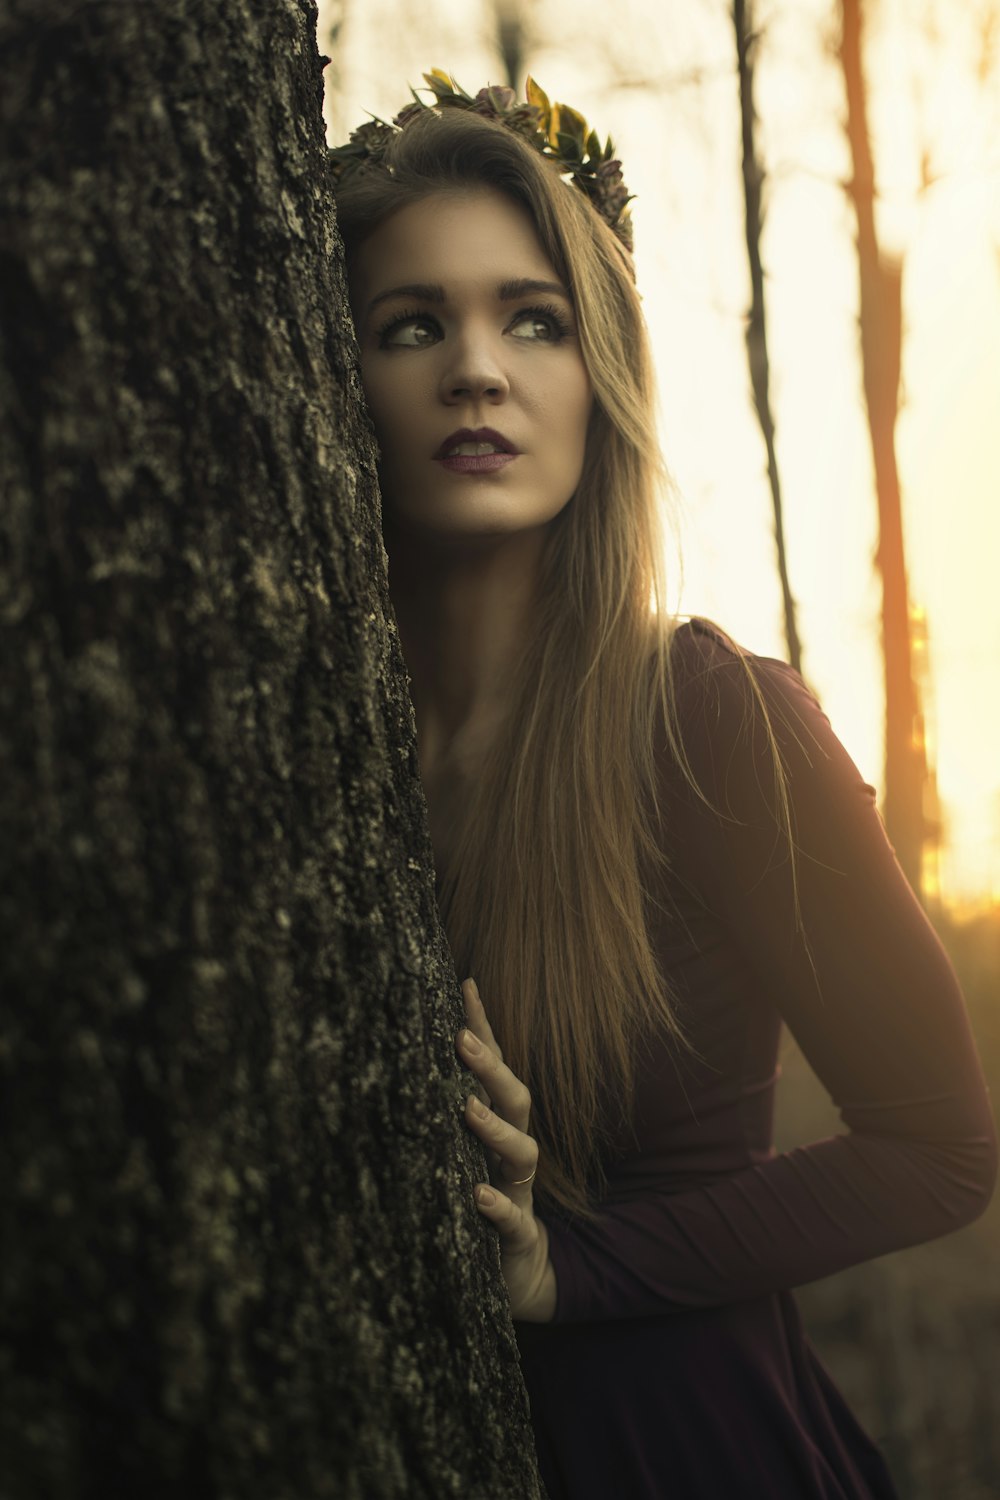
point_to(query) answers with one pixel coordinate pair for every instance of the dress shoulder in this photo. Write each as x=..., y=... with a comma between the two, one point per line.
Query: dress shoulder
x=761, y=751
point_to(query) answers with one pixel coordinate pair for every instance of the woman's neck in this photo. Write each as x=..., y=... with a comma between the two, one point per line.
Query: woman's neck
x=464, y=614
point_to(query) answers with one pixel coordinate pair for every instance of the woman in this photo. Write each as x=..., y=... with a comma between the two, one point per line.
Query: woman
x=650, y=847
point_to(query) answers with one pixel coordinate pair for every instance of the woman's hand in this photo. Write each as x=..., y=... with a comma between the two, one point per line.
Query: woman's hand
x=513, y=1155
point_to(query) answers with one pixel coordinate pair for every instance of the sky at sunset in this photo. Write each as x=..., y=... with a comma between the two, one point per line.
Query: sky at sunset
x=661, y=79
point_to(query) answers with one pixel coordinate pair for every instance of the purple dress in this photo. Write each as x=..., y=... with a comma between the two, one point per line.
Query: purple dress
x=676, y=1366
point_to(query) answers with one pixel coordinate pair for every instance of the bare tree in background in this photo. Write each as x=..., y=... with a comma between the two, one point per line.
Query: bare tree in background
x=512, y=41
x=333, y=17
x=239, y=1254
x=756, y=333
x=880, y=316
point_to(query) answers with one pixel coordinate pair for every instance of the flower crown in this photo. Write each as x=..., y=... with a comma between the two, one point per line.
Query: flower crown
x=554, y=130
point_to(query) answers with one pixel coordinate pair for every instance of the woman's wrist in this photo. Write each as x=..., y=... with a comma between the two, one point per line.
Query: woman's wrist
x=543, y=1305
x=545, y=1308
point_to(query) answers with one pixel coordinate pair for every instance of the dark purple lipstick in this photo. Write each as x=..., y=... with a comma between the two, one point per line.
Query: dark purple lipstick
x=482, y=450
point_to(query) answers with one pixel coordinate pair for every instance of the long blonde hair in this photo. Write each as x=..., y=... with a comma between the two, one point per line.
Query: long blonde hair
x=546, y=900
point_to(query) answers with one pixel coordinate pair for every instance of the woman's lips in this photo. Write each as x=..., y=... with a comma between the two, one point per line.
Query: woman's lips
x=476, y=463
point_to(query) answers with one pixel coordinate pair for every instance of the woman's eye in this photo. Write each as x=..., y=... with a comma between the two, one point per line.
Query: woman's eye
x=533, y=325
x=408, y=333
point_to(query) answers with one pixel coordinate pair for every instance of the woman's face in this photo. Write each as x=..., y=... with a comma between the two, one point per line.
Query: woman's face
x=472, y=368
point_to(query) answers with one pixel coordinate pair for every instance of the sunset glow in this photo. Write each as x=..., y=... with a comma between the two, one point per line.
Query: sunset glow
x=663, y=83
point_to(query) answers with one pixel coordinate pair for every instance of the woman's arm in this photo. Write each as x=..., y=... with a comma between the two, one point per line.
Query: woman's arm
x=869, y=995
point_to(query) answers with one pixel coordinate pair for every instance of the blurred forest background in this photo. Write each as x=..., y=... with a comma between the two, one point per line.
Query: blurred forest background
x=817, y=224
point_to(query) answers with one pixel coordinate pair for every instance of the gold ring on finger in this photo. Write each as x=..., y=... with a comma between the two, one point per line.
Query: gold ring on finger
x=520, y=1181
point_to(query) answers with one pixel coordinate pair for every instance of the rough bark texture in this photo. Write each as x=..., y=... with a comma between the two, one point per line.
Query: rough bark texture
x=881, y=323
x=756, y=335
x=239, y=1252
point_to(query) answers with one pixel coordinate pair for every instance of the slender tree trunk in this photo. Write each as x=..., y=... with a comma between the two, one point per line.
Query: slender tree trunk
x=881, y=347
x=239, y=1251
x=508, y=19
x=756, y=335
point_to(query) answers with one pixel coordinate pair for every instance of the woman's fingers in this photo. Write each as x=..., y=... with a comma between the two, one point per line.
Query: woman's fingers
x=502, y=1128
x=517, y=1151
x=506, y=1200
x=518, y=1228
x=475, y=1015
x=508, y=1095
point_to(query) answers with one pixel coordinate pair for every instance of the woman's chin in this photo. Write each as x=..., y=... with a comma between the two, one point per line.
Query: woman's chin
x=469, y=533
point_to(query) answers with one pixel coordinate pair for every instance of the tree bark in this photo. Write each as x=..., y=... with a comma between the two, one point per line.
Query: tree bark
x=239, y=1251
x=881, y=324
x=756, y=334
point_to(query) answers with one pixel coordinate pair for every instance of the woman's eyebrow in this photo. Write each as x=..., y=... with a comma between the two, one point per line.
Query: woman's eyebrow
x=421, y=290
x=510, y=291
x=507, y=291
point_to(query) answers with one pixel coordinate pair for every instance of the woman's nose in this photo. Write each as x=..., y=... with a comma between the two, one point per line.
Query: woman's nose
x=474, y=372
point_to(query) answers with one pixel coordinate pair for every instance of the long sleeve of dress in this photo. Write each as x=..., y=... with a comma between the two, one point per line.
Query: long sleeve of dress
x=862, y=983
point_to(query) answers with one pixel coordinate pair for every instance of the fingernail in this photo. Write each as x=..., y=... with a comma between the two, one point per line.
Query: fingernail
x=471, y=1044
x=478, y=1108
x=485, y=1196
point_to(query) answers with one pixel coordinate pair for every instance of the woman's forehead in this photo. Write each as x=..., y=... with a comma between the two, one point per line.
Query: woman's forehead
x=456, y=240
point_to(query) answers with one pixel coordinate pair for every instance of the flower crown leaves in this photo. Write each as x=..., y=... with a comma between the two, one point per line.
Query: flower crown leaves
x=556, y=131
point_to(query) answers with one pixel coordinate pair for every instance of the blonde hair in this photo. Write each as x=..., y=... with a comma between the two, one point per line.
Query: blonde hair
x=546, y=900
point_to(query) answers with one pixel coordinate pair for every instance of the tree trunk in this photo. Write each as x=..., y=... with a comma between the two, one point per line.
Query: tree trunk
x=756, y=335
x=239, y=1251
x=881, y=351
x=511, y=40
